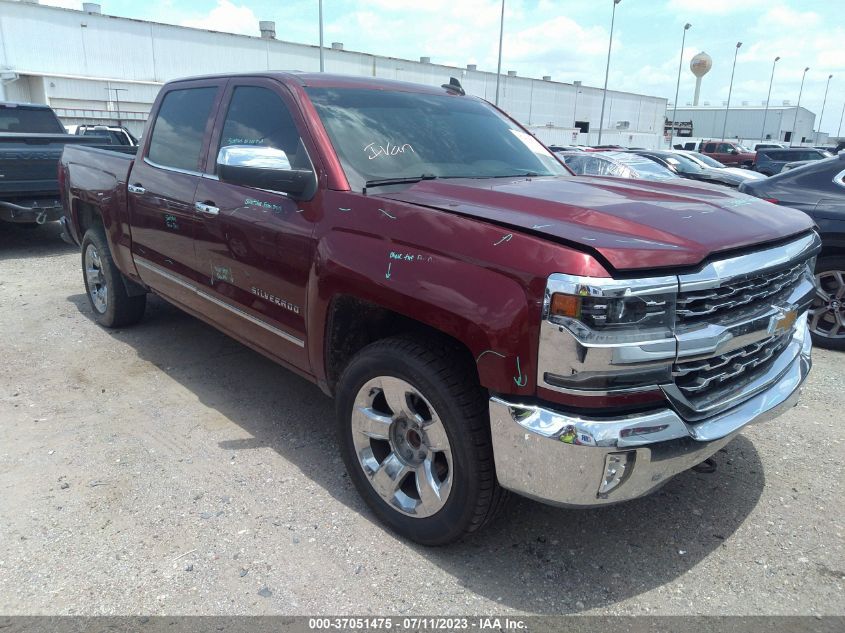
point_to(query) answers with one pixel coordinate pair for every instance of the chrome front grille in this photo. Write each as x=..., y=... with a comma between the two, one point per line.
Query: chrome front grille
x=732, y=295
x=701, y=380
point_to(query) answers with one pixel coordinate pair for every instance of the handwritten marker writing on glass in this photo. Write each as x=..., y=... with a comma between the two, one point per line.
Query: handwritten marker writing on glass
x=506, y=238
x=392, y=217
x=387, y=274
x=540, y=226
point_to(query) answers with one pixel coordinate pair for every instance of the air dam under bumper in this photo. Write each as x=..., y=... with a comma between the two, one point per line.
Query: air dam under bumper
x=607, y=460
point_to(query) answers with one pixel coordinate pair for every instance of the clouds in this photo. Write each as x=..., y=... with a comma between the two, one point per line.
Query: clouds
x=227, y=17
x=563, y=38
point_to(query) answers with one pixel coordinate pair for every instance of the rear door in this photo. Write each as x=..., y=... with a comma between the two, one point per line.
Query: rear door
x=255, y=247
x=162, y=184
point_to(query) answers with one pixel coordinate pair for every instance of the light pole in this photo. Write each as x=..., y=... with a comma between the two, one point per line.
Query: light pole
x=730, y=90
x=824, y=101
x=678, y=86
x=499, y=67
x=768, y=98
x=795, y=120
x=320, y=9
x=607, y=69
x=841, y=116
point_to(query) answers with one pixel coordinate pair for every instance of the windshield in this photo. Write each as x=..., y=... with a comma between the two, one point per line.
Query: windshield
x=707, y=160
x=379, y=134
x=29, y=120
x=683, y=164
x=642, y=167
x=590, y=164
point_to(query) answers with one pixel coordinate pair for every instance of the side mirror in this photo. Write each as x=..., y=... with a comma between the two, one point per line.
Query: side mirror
x=262, y=168
x=734, y=151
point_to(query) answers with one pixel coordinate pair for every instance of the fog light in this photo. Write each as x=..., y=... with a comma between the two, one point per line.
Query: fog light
x=615, y=467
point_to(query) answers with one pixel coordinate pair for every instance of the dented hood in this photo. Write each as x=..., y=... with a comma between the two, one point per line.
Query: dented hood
x=633, y=224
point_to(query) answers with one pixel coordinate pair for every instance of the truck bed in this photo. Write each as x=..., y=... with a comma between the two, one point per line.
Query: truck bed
x=96, y=177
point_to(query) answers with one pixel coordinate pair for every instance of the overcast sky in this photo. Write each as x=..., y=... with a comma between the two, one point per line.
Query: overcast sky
x=566, y=39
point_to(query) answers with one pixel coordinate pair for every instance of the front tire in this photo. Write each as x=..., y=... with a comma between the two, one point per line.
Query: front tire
x=827, y=313
x=415, y=437
x=112, y=305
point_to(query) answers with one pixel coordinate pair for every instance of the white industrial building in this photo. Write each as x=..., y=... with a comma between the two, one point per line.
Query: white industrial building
x=92, y=67
x=746, y=123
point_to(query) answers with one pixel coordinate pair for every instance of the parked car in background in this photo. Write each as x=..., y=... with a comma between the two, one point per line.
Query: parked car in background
x=616, y=164
x=771, y=161
x=728, y=153
x=684, y=167
x=706, y=161
x=566, y=148
x=117, y=134
x=31, y=142
x=818, y=189
x=484, y=320
x=760, y=146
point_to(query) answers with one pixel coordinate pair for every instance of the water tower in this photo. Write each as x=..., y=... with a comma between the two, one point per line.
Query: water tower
x=700, y=65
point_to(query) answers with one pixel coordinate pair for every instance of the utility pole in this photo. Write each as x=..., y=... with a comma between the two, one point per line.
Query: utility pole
x=730, y=90
x=322, y=63
x=607, y=69
x=821, y=116
x=117, y=92
x=677, y=86
x=795, y=120
x=499, y=67
x=768, y=98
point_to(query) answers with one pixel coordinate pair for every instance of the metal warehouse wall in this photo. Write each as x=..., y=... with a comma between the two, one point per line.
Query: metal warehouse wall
x=747, y=123
x=69, y=59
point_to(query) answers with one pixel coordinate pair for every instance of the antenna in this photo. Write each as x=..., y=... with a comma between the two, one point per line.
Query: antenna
x=454, y=86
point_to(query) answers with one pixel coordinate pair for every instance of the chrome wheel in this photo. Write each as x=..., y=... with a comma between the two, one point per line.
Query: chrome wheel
x=98, y=289
x=827, y=314
x=402, y=446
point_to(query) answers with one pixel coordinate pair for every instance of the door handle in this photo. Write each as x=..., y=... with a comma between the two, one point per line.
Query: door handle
x=136, y=189
x=207, y=209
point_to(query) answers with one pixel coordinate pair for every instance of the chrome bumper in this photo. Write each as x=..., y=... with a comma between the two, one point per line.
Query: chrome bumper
x=568, y=460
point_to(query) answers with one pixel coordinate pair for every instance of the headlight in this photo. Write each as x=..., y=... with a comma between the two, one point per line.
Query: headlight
x=598, y=311
x=604, y=335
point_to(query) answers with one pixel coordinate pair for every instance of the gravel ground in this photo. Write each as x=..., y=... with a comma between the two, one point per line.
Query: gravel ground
x=167, y=469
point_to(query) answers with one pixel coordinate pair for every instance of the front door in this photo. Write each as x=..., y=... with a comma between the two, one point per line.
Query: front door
x=161, y=190
x=255, y=247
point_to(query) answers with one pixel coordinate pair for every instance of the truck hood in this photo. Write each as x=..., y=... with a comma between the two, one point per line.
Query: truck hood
x=632, y=224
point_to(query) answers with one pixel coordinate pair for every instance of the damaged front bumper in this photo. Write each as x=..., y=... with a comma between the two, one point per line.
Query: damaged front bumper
x=575, y=461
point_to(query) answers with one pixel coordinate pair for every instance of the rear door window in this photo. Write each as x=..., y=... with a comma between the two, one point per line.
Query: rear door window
x=179, y=131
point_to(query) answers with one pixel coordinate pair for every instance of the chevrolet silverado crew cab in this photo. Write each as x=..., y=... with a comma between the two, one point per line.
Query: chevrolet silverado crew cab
x=485, y=320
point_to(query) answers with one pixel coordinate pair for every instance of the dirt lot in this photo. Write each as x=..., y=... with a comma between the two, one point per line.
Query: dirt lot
x=168, y=469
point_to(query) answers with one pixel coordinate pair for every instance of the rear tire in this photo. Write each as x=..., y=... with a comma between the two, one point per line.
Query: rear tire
x=414, y=433
x=827, y=314
x=112, y=305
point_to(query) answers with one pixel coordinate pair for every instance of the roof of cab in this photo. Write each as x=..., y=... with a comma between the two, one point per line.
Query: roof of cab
x=328, y=80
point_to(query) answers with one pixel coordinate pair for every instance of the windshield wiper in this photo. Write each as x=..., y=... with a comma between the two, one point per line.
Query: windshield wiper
x=379, y=182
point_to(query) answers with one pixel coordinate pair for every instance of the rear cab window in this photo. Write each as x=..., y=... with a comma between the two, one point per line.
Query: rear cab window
x=24, y=120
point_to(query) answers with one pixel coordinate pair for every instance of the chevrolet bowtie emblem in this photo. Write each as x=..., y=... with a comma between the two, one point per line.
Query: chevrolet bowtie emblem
x=783, y=321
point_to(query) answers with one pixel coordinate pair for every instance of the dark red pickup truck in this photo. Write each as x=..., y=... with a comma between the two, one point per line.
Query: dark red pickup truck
x=485, y=320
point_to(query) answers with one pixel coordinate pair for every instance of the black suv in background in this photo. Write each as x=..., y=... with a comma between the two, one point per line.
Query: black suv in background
x=770, y=160
x=818, y=189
